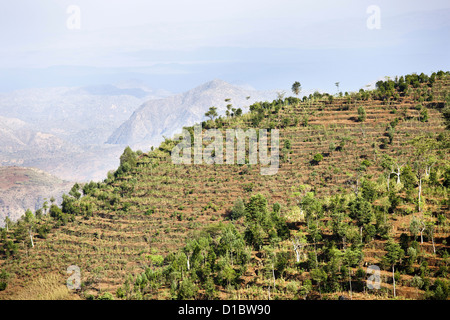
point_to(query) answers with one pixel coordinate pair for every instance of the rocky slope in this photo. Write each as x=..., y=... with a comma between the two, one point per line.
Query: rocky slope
x=26, y=188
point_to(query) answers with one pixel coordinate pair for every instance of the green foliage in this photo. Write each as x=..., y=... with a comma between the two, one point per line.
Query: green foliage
x=362, y=114
x=105, y=296
x=317, y=158
x=394, y=252
x=296, y=88
x=59, y=215
x=211, y=113
x=4, y=277
x=128, y=156
x=238, y=209
x=187, y=290
x=361, y=210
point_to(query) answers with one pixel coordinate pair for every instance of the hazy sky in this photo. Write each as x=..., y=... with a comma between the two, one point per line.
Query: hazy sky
x=177, y=44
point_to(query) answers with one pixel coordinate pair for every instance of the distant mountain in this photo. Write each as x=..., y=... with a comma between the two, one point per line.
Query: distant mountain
x=17, y=135
x=62, y=130
x=80, y=115
x=25, y=188
x=164, y=117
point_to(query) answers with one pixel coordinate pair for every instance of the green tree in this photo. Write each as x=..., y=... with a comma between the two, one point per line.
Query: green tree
x=352, y=257
x=423, y=152
x=187, y=290
x=238, y=209
x=128, y=156
x=394, y=254
x=30, y=221
x=362, y=114
x=319, y=276
x=211, y=113
x=423, y=115
x=361, y=210
x=296, y=88
x=74, y=192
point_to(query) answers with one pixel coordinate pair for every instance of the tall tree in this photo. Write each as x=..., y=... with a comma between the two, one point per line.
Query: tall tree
x=422, y=157
x=296, y=88
x=394, y=253
x=351, y=258
x=361, y=210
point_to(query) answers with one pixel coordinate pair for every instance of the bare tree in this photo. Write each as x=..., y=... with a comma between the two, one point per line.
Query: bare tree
x=298, y=247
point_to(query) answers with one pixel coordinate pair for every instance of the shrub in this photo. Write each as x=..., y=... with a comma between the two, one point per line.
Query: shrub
x=238, y=209
x=317, y=158
x=362, y=114
x=105, y=296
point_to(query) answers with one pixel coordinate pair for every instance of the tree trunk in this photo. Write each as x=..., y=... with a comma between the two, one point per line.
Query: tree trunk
x=350, y=282
x=434, y=248
x=388, y=178
x=273, y=274
x=398, y=174
x=393, y=278
x=420, y=192
x=31, y=238
x=315, y=251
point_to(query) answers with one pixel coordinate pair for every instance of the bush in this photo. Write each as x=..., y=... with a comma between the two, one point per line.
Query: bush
x=4, y=276
x=362, y=114
x=238, y=209
x=317, y=158
x=106, y=296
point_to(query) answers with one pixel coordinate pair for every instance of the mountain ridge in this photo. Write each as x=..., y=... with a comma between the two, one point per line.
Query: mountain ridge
x=157, y=118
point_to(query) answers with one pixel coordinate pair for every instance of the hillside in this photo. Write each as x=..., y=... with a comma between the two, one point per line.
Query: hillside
x=152, y=229
x=26, y=188
x=164, y=117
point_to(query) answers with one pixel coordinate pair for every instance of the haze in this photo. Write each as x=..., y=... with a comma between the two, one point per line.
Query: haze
x=176, y=45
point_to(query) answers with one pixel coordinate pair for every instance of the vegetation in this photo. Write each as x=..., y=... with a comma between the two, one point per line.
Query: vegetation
x=346, y=196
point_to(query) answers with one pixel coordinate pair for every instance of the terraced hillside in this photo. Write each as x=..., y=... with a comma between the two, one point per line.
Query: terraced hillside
x=144, y=214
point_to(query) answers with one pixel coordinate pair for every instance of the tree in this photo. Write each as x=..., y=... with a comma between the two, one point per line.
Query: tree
x=337, y=86
x=30, y=221
x=362, y=114
x=430, y=229
x=296, y=88
x=238, y=209
x=8, y=222
x=211, y=113
x=361, y=210
x=417, y=226
x=394, y=253
x=339, y=226
x=74, y=191
x=319, y=276
x=423, y=115
x=351, y=258
x=423, y=152
x=298, y=243
x=128, y=156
